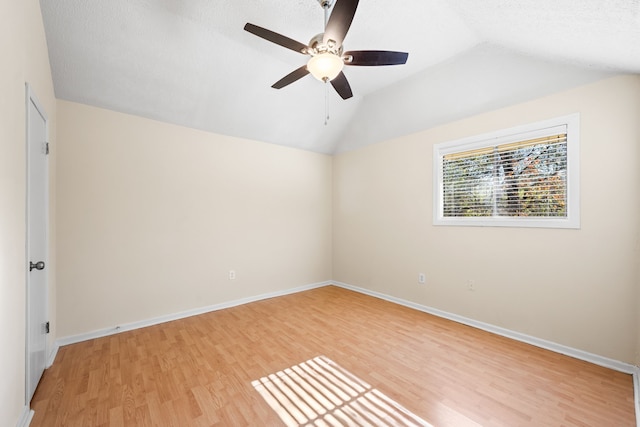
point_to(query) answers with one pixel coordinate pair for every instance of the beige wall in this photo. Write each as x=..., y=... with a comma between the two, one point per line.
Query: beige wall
x=153, y=216
x=24, y=58
x=573, y=287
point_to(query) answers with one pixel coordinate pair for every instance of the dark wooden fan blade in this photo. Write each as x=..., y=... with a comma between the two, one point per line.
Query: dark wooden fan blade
x=340, y=21
x=341, y=85
x=375, y=57
x=276, y=38
x=291, y=77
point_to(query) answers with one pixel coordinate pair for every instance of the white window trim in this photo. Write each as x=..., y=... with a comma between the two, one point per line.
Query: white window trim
x=572, y=220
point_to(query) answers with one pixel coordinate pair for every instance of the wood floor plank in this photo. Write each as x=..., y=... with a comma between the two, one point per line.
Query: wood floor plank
x=199, y=371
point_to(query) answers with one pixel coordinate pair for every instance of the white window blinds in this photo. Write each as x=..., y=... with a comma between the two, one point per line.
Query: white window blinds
x=522, y=178
x=526, y=176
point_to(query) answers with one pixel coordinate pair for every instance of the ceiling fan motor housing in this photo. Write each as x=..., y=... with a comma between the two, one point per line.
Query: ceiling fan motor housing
x=316, y=46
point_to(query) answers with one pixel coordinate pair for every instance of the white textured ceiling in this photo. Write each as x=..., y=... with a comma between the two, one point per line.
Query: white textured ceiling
x=191, y=63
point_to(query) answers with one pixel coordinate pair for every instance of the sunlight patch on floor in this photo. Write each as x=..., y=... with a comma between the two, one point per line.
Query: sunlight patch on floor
x=320, y=393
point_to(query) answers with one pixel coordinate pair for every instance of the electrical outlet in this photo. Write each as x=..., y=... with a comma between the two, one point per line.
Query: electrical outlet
x=471, y=285
x=422, y=278
x=232, y=275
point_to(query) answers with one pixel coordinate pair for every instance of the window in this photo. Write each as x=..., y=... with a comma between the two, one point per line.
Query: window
x=520, y=177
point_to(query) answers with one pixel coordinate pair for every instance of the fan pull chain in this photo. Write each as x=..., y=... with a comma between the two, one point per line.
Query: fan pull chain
x=326, y=103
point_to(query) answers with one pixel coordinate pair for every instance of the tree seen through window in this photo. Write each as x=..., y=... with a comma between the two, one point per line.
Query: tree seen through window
x=521, y=179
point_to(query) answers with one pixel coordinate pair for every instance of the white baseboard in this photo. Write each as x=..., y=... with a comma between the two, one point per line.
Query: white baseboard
x=25, y=417
x=52, y=354
x=181, y=315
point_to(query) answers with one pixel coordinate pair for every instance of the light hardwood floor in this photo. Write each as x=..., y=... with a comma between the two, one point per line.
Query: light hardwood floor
x=199, y=371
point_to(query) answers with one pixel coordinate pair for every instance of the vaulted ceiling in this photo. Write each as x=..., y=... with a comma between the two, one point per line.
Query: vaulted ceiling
x=190, y=62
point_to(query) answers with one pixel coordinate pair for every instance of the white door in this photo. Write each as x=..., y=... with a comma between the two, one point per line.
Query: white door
x=37, y=203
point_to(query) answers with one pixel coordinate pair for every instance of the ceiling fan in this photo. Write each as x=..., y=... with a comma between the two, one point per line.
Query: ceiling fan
x=326, y=50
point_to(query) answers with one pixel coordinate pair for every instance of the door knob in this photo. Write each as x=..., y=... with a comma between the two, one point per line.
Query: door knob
x=38, y=265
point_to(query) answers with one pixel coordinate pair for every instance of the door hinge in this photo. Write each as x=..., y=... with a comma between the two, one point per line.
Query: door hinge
x=46, y=328
x=46, y=148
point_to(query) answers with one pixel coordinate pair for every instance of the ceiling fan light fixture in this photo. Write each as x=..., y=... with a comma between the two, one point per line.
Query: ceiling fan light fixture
x=325, y=66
